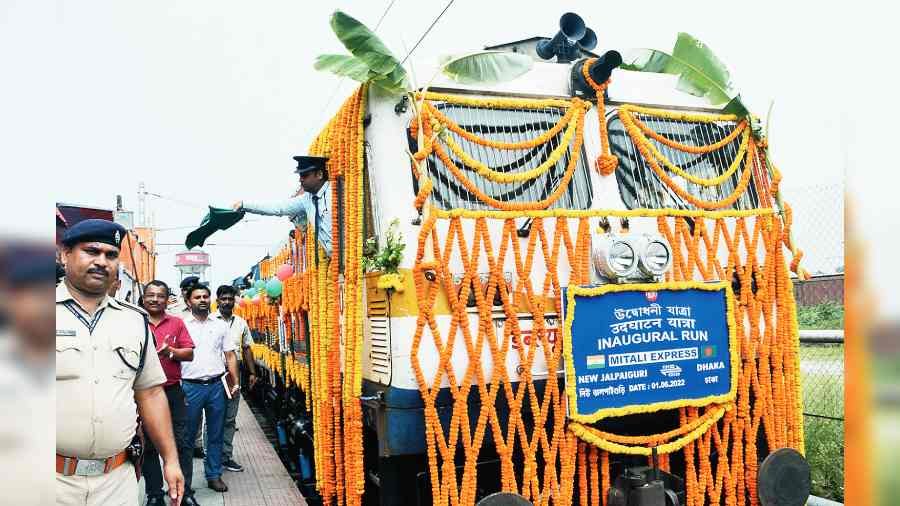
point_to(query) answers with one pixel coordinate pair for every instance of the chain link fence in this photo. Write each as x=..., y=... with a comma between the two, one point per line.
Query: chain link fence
x=819, y=231
x=822, y=383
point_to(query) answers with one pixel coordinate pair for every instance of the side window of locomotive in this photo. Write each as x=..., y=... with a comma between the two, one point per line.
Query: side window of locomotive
x=508, y=125
x=641, y=187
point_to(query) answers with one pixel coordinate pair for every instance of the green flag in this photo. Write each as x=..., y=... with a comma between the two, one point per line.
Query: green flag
x=215, y=219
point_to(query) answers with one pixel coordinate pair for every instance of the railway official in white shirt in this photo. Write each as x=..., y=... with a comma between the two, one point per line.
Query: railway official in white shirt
x=202, y=383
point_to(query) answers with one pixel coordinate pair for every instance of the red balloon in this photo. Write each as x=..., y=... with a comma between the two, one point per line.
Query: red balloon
x=284, y=271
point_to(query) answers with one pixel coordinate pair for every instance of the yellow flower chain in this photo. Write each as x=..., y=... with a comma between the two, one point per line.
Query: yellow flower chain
x=391, y=281
x=513, y=177
x=602, y=440
x=681, y=192
x=599, y=213
x=433, y=112
x=679, y=115
x=562, y=185
x=496, y=102
x=714, y=181
x=626, y=111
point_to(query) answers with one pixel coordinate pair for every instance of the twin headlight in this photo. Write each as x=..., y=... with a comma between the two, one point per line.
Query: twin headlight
x=631, y=256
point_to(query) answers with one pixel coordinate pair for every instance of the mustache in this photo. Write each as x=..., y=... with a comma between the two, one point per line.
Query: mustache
x=98, y=270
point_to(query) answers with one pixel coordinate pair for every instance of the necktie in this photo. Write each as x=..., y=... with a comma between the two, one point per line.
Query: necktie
x=315, y=199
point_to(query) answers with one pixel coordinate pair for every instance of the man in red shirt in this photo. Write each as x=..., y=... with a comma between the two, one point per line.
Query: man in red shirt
x=174, y=346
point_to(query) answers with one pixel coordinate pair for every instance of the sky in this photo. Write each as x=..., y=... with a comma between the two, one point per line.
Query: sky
x=206, y=101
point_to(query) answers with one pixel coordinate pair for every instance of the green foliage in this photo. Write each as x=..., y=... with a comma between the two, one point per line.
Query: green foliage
x=487, y=67
x=700, y=71
x=825, y=316
x=825, y=453
x=344, y=65
x=371, y=61
x=386, y=259
x=363, y=43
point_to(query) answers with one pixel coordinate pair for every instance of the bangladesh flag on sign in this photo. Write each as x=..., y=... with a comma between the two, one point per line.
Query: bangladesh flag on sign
x=709, y=351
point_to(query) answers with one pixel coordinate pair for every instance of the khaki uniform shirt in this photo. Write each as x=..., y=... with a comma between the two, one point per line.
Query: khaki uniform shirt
x=238, y=332
x=96, y=361
x=179, y=309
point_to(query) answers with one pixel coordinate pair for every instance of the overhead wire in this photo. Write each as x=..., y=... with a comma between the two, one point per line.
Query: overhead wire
x=178, y=201
x=438, y=18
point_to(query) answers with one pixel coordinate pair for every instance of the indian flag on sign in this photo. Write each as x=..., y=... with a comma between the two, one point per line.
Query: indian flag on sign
x=709, y=351
x=596, y=361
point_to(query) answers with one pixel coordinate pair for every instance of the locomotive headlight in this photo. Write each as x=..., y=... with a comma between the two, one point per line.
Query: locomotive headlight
x=614, y=257
x=655, y=255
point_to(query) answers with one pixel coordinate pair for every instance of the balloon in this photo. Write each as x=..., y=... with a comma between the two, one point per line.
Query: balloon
x=260, y=284
x=273, y=287
x=250, y=292
x=284, y=272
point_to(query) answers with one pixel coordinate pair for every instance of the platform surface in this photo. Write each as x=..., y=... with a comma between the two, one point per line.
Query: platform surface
x=264, y=481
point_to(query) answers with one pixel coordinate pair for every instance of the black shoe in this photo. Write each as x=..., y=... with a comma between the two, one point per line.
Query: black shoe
x=157, y=500
x=199, y=453
x=233, y=466
x=189, y=500
x=218, y=485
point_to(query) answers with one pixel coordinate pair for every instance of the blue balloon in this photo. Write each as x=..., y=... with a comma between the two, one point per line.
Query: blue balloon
x=274, y=287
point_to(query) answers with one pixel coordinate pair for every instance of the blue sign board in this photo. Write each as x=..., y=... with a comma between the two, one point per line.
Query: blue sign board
x=644, y=347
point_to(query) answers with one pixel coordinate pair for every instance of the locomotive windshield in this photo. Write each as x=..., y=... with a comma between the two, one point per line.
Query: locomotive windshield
x=641, y=187
x=506, y=125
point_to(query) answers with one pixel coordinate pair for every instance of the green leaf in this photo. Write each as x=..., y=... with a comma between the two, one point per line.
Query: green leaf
x=700, y=71
x=645, y=60
x=394, y=82
x=344, y=65
x=487, y=67
x=736, y=107
x=363, y=43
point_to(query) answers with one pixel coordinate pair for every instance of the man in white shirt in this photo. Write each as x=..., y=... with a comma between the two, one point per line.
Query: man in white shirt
x=239, y=333
x=202, y=382
x=313, y=205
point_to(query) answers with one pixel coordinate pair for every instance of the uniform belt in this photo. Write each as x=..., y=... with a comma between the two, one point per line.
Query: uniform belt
x=208, y=381
x=68, y=466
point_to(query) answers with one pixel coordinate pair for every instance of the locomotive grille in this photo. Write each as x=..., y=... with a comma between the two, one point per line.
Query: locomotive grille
x=640, y=187
x=509, y=125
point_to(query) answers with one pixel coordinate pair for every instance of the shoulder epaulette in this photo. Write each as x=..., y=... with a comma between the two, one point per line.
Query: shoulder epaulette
x=133, y=307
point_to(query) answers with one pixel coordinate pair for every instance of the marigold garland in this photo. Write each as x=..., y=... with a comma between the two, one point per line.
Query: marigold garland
x=496, y=102
x=716, y=435
x=607, y=162
x=607, y=442
x=646, y=153
x=334, y=340
x=629, y=110
x=713, y=181
x=561, y=187
x=433, y=112
x=513, y=177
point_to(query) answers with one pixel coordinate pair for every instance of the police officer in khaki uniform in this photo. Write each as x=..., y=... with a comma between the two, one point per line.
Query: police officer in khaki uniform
x=107, y=373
